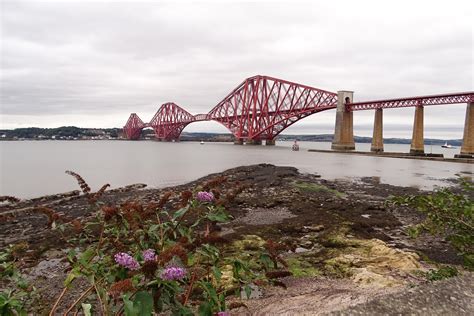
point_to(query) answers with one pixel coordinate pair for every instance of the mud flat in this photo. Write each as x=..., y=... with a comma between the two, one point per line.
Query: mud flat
x=344, y=246
x=434, y=157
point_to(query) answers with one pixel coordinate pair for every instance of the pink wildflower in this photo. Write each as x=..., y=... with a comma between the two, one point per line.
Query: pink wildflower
x=204, y=196
x=127, y=261
x=173, y=273
x=149, y=255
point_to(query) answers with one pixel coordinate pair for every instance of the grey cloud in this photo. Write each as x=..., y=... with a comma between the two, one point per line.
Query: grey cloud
x=109, y=58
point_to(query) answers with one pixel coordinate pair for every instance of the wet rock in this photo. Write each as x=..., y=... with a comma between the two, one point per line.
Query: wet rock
x=301, y=250
x=261, y=215
x=365, y=277
x=256, y=292
x=306, y=244
x=48, y=269
x=54, y=253
x=372, y=263
x=315, y=228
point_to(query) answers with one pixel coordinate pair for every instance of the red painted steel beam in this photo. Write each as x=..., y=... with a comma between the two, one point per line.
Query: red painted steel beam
x=453, y=98
x=170, y=120
x=261, y=106
x=200, y=117
x=133, y=127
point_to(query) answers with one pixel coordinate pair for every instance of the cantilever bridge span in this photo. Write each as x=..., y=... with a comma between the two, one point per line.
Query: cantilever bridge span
x=261, y=107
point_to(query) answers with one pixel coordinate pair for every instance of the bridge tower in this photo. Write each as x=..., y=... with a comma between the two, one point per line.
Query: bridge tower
x=468, y=136
x=417, y=141
x=343, y=133
x=377, y=138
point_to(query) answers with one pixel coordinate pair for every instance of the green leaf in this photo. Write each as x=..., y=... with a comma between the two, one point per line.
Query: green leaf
x=87, y=309
x=71, y=276
x=212, y=293
x=71, y=255
x=180, y=213
x=222, y=301
x=205, y=309
x=217, y=273
x=3, y=300
x=129, y=308
x=248, y=291
x=144, y=301
x=266, y=261
x=218, y=217
x=87, y=256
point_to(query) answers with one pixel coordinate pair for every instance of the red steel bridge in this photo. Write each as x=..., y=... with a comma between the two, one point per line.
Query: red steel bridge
x=261, y=107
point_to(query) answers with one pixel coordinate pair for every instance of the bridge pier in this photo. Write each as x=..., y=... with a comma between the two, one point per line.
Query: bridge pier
x=253, y=142
x=343, y=133
x=467, y=147
x=238, y=141
x=270, y=142
x=417, y=141
x=377, y=137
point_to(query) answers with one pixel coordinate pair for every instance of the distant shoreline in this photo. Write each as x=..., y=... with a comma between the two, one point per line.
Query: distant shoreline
x=78, y=133
x=358, y=140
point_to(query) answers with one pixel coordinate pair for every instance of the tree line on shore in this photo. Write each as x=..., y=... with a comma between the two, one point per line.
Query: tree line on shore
x=73, y=132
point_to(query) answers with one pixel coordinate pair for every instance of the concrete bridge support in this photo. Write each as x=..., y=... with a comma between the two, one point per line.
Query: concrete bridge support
x=377, y=138
x=343, y=133
x=270, y=142
x=253, y=142
x=417, y=141
x=467, y=147
x=238, y=141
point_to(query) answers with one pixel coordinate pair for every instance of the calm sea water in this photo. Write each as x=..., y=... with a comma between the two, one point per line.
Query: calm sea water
x=35, y=168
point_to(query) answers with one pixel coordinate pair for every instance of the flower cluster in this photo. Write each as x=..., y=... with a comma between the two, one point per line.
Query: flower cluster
x=204, y=196
x=127, y=261
x=149, y=255
x=173, y=273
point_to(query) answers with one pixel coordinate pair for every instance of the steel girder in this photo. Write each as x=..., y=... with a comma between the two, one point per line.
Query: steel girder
x=169, y=121
x=261, y=107
x=453, y=98
x=133, y=127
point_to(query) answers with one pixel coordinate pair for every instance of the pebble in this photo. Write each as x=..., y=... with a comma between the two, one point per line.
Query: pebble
x=313, y=228
x=301, y=250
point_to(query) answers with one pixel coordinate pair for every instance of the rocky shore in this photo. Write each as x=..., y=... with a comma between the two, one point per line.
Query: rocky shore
x=344, y=246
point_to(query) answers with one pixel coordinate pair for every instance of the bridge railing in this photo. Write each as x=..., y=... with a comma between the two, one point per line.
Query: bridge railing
x=453, y=98
x=200, y=117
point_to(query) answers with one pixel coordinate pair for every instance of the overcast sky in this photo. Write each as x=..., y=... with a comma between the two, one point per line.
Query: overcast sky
x=92, y=63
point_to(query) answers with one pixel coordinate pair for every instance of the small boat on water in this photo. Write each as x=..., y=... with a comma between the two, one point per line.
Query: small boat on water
x=202, y=142
x=446, y=145
x=295, y=146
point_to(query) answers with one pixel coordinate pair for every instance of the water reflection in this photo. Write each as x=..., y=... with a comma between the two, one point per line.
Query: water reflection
x=34, y=168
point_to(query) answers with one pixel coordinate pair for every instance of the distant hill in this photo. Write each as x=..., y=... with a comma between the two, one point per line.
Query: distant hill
x=64, y=132
x=73, y=132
